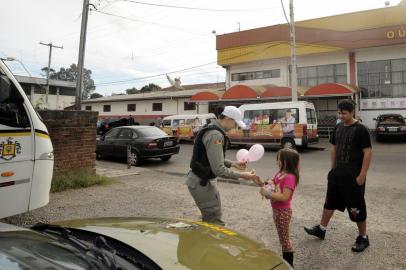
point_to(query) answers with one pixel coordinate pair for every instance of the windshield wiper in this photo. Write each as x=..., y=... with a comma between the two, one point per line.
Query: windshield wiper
x=98, y=248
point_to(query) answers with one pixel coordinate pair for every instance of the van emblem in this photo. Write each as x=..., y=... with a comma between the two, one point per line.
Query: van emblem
x=9, y=149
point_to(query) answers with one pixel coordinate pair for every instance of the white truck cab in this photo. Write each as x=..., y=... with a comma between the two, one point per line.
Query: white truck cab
x=26, y=153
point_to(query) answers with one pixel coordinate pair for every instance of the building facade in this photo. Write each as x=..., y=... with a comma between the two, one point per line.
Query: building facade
x=61, y=93
x=150, y=107
x=365, y=49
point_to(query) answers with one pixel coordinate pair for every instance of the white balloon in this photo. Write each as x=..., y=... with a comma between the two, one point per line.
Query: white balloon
x=256, y=152
x=242, y=155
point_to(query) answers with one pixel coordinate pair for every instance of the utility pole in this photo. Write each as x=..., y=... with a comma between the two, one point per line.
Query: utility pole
x=293, y=65
x=81, y=60
x=50, y=45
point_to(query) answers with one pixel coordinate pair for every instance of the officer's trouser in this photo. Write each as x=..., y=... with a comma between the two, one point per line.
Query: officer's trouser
x=207, y=198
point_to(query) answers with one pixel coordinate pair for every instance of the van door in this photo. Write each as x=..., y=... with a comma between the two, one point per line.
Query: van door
x=311, y=124
x=16, y=150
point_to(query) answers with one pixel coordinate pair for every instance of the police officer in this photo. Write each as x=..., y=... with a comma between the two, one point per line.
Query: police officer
x=208, y=163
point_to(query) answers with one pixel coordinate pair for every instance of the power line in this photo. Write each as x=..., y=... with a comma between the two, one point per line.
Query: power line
x=196, y=8
x=146, y=22
x=153, y=76
x=163, y=74
x=284, y=12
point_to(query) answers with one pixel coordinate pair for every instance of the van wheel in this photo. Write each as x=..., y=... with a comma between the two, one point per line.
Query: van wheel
x=288, y=143
x=135, y=158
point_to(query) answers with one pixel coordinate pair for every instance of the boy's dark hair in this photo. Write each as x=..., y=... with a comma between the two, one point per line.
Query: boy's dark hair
x=346, y=105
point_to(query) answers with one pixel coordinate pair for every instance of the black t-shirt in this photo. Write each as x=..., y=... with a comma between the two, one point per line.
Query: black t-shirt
x=350, y=141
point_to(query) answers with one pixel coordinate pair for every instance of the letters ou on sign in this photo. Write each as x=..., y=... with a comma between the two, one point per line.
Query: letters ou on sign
x=400, y=33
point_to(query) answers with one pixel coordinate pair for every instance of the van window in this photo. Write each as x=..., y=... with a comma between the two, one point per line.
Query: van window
x=311, y=116
x=12, y=111
x=266, y=117
x=194, y=122
x=175, y=123
x=283, y=115
x=166, y=123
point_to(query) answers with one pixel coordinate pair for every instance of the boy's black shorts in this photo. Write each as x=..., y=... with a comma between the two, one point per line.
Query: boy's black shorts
x=344, y=192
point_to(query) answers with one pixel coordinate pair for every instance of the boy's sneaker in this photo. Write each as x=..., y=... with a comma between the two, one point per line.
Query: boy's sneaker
x=360, y=244
x=316, y=231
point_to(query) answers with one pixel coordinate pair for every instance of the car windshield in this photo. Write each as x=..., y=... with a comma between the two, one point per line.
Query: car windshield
x=151, y=132
x=25, y=250
x=391, y=119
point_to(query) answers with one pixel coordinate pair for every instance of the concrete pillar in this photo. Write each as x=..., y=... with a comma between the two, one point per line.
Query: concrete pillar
x=353, y=79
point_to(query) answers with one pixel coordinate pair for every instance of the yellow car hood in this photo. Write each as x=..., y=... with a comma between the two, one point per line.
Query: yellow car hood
x=180, y=244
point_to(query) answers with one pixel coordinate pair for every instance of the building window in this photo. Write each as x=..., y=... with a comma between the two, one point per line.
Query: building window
x=383, y=78
x=157, y=107
x=88, y=108
x=131, y=107
x=189, y=106
x=106, y=108
x=311, y=76
x=255, y=75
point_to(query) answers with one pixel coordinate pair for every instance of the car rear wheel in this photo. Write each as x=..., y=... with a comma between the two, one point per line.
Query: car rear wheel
x=98, y=155
x=166, y=158
x=135, y=158
x=378, y=138
x=288, y=143
x=228, y=143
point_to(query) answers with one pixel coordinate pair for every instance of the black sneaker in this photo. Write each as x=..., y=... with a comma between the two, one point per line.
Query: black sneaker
x=316, y=231
x=360, y=244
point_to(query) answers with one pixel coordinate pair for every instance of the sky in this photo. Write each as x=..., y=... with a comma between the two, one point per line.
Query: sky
x=128, y=41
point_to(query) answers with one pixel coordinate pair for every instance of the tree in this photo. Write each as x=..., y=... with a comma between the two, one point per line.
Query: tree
x=150, y=88
x=95, y=95
x=51, y=72
x=131, y=91
x=70, y=74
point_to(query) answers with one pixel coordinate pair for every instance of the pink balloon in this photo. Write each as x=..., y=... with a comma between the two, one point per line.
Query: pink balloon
x=242, y=155
x=256, y=152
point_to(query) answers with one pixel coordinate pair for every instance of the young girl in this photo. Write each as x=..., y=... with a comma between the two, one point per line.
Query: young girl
x=280, y=191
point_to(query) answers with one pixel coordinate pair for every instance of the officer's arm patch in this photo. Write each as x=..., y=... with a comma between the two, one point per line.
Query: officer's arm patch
x=218, y=142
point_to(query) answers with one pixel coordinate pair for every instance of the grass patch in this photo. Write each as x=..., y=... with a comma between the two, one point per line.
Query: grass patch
x=77, y=179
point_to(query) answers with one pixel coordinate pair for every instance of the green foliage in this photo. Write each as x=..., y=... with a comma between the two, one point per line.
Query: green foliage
x=77, y=179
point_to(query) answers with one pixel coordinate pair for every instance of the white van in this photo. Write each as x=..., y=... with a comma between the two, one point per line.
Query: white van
x=186, y=126
x=26, y=153
x=289, y=124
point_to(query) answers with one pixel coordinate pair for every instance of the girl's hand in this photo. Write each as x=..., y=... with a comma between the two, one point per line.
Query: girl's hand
x=277, y=189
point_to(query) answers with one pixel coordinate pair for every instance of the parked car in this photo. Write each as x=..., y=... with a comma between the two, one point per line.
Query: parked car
x=107, y=124
x=132, y=243
x=390, y=126
x=145, y=141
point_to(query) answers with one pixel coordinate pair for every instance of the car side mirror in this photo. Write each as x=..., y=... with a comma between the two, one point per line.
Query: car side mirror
x=374, y=119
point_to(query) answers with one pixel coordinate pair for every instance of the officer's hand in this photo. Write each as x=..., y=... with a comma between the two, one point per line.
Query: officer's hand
x=239, y=165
